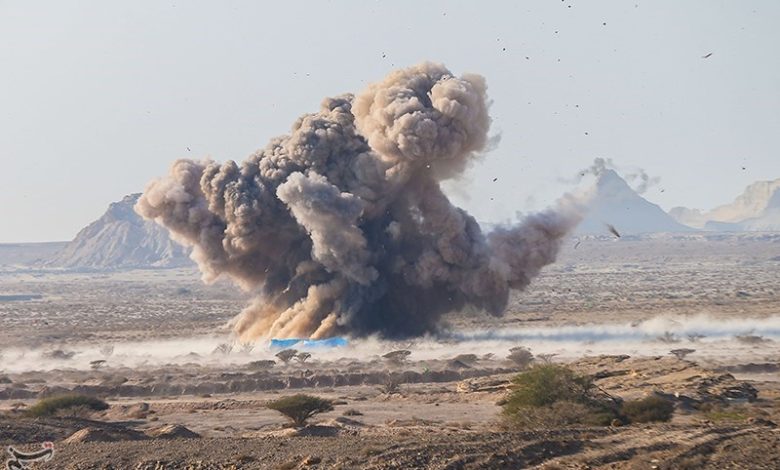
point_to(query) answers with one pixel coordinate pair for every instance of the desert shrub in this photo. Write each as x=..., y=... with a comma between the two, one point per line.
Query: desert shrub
x=79, y=411
x=546, y=384
x=681, y=352
x=286, y=355
x=546, y=358
x=695, y=337
x=668, y=337
x=648, y=409
x=302, y=357
x=562, y=413
x=719, y=412
x=59, y=354
x=521, y=356
x=55, y=405
x=466, y=358
x=299, y=408
x=397, y=357
x=223, y=348
x=261, y=364
x=554, y=395
x=751, y=339
x=390, y=385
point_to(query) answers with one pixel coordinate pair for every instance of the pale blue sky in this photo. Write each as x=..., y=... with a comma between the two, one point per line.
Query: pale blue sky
x=96, y=98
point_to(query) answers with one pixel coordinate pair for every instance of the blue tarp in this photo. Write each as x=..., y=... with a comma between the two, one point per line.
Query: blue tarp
x=308, y=343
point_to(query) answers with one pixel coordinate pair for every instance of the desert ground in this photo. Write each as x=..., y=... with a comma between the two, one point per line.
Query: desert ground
x=183, y=394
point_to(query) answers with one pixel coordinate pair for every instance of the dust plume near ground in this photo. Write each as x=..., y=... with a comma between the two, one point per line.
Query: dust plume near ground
x=341, y=227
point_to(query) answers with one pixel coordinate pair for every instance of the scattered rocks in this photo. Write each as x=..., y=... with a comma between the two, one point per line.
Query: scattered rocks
x=486, y=384
x=311, y=460
x=761, y=422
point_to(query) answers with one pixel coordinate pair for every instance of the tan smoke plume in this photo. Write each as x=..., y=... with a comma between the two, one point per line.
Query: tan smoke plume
x=341, y=227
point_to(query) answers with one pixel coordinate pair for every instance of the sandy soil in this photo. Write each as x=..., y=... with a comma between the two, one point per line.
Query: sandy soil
x=610, y=309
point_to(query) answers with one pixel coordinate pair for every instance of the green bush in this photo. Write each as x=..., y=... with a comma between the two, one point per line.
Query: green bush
x=554, y=395
x=56, y=405
x=299, y=408
x=649, y=409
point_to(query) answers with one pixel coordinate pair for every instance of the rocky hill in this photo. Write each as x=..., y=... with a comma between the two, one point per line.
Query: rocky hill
x=121, y=239
x=616, y=204
x=756, y=209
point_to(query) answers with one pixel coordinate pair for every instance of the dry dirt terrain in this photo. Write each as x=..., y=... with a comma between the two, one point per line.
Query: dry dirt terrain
x=182, y=395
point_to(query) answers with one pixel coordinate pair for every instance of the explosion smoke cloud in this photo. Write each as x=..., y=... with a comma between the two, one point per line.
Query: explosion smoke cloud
x=341, y=227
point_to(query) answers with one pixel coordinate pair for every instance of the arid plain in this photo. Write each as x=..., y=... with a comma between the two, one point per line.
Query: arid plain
x=183, y=395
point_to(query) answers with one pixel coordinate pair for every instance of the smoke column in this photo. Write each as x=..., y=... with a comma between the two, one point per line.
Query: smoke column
x=341, y=227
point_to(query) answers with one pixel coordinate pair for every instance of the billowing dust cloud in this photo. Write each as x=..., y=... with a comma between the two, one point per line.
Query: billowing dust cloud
x=341, y=227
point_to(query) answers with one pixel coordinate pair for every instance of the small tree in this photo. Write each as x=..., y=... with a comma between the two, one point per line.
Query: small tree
x=302, y=357
x=668, y=337
x=397, y=357
x=299, y=408
x=695, y=337
x=520, y=356
x=223, y=348
x=546, y=358
x=286, y=355
x=681, y=353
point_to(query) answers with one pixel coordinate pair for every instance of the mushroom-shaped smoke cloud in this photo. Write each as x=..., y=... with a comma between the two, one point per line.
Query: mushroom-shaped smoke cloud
x=341, y=227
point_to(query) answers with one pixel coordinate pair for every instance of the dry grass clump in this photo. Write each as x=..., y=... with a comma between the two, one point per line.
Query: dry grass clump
x=551, y=395
x=648, y=410
x=66, y=405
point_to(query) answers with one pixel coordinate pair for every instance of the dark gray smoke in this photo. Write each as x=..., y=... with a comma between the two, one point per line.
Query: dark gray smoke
x=341, y=227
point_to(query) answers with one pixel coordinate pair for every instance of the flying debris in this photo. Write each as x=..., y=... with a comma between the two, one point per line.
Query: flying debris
x=613, y=230
x=706, y=56
x=341, y=227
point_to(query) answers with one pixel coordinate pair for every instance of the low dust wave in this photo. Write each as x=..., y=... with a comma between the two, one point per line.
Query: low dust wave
x=342, y=228
x=715, y=339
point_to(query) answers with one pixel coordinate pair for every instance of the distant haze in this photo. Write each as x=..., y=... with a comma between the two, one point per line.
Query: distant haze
x=98, y=98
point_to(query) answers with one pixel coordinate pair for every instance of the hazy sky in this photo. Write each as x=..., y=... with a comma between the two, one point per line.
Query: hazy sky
x=97, y=98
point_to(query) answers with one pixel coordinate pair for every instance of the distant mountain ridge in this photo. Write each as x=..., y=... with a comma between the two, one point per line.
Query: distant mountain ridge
x=756, y=209
x=616, y=204
x=121, y=239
